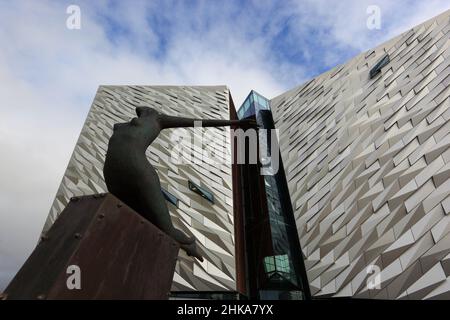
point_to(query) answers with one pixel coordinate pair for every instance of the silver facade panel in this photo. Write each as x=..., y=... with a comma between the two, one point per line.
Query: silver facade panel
x=368, y=166
x=211, y=224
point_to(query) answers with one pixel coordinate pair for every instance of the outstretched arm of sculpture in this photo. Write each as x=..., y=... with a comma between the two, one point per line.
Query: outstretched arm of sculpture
x=180, y=122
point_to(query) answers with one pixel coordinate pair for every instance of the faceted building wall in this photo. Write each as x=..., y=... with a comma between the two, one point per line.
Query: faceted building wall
x=211, y=222
x=368, y=166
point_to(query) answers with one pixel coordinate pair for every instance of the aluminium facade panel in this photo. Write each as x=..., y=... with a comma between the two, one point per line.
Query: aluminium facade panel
x=368, y=166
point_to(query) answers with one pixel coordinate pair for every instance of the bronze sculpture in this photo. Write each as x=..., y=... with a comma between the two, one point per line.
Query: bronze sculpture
x=130, y=176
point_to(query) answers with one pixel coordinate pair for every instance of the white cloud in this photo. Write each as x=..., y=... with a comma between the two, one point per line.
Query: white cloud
x=338, y=28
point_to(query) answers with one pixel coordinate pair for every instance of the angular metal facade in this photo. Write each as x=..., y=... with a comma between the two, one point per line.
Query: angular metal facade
x=211, y=224
x=368, y=166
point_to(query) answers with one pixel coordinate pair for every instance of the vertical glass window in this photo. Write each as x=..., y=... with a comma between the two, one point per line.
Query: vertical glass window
x=240, y=113
x=246, y=106
x=279, y=263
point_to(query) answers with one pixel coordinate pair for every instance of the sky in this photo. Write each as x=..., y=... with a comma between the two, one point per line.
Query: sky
x=49, y=73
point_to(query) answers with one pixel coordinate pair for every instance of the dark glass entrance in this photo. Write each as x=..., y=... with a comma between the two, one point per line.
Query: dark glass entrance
x=274, y=261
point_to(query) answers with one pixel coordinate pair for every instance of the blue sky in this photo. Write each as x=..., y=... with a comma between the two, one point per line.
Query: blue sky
x=50, y=74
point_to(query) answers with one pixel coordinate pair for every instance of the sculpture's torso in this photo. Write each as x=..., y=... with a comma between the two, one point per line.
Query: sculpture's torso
x=125, y=158
x=130, y=176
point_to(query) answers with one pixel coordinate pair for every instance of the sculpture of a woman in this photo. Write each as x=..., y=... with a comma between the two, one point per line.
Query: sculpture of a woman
x=130, y=176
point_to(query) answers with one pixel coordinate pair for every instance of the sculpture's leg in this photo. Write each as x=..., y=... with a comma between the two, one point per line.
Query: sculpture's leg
x=163, y=221
x=160, y=217
x=154, y=208
x=179, y=236
x=191, y=250
x=145, y=197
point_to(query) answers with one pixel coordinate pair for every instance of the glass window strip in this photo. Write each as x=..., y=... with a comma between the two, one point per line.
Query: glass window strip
x=201, y=191
x=379, y=65
x=170, y=197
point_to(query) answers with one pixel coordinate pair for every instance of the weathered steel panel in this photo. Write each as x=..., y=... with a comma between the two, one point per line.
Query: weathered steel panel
x=120, y=255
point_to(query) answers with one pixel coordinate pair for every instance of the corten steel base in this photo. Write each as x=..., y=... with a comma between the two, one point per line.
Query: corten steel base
x=120, y=255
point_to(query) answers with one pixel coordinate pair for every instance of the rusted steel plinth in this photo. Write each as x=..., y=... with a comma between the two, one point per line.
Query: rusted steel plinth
x=98, y=248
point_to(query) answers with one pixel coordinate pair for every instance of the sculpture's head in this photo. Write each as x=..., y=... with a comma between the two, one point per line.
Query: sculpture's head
x=147, y=112
x=147, y=122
